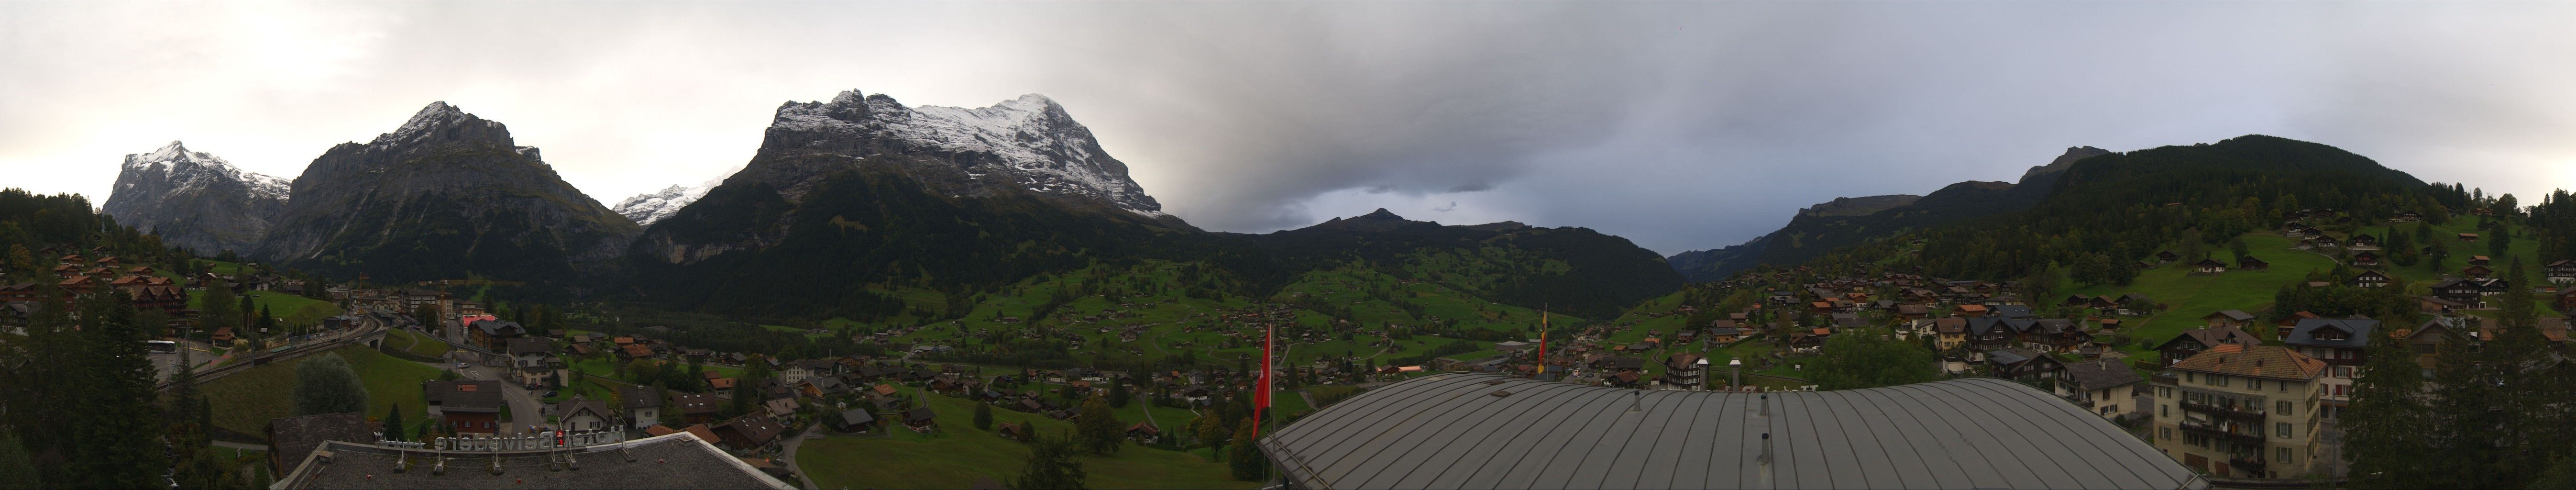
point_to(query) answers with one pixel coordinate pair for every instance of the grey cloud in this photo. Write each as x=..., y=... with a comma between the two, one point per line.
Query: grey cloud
x=1679, y=125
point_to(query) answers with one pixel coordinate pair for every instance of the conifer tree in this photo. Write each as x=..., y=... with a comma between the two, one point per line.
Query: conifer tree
x=1245, y=459
x=393, y=429
x=2385, y=428
x=984, y=416
x=118, y=425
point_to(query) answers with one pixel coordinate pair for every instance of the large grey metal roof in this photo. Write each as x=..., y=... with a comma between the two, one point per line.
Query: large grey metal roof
x=1451, y=431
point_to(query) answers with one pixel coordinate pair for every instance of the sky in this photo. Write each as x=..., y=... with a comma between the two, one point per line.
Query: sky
x=1681, y=126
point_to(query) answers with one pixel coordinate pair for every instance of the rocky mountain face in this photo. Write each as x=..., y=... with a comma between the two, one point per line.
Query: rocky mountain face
x=1026, y=146
x=1848, y=221
x=644, y=209
x=445, y=195
x=195, y=200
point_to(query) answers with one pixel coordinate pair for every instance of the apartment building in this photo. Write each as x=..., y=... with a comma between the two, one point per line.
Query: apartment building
x=2242, y=411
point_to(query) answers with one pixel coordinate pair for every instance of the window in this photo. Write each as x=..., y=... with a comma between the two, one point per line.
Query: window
x=2282, y=408
x=2164, y=411
x=2191, y=377
x=2283, y=429
x=2167, y=432
x=2424, y=349
x=2253, y=383
x=2217, y=380
x=2343, y=371
x=2285, y=455
x=2285, y=386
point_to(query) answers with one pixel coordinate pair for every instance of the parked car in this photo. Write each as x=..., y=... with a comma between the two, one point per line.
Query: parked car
x=460, y=365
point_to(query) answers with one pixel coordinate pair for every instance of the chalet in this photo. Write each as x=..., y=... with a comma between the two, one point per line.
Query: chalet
x=696, y=408
x=2437, y=305
x=853, y=421
x=2566, y=299
x=2248, y=262
x=2167, y=256
x=2481, y=261
x=2407, y=217
x=2058, y=335
x=2105, y=386
x=1684, y=369
x=2076, y=301
x=2561, y=272
x=2229, y=318
x=2325, y=242
x=821, y=387
x=2364, y=241
x=1017, y=431
x=1969, y=310
x=920, y=419
x=1725, y=334
x=533, y=360
x=643, y=405
x=635, y=351
x=1143, y=432
x=581, y=414
x=2366, y=259
x=2023, y=365
x=2337, y=341
x=494, y=334
x=2367, y=279
x=466, y=406
x=2192, y=342
x=1912, y=311
x=2462, y=291
x=2210, y=266
x=750, y=432
x=2468, y=237
x=1991, y=333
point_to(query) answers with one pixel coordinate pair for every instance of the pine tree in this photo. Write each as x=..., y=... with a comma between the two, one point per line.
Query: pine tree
x=2466, y=453
x=2384, y=430
x=394, y=424
x=1118, y=392
x=118, y=425
x=984, y=416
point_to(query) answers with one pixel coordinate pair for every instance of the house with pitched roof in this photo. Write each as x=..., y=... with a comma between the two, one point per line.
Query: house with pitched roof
x=2242, y=411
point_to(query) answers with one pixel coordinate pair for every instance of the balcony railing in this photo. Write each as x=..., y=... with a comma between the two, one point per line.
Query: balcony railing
x=2205, y=428
x=2224, y=411
x=2251, y=464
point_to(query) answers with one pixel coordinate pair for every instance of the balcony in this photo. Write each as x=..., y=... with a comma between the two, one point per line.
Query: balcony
x=2226, y=411
x=2252, y=465
x=2205, y=428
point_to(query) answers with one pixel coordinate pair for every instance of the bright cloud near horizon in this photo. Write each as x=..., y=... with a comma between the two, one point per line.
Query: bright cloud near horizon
x=1678, y=125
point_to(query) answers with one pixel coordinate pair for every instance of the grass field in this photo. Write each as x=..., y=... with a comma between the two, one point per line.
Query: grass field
x=245, y=401
x=959, y=454
x=2190, y=297
x=290, y=309
x=407, y=341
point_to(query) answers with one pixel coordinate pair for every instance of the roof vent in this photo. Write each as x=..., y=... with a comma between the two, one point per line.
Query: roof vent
x=1494, y=382
x=1500, y=393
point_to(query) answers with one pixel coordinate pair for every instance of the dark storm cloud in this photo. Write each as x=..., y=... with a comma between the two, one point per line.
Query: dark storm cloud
x=1679, y=125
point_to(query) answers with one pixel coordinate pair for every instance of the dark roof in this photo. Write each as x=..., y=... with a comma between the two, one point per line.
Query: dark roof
x=1445, y=431
x=639, y=397
x=2237, y=315
x=856, y=416
x=454, y=396
x=678, y=460
x=2102, y=373
x=2214, y=336
x=2356, y=332
x=499, y=327
x=530, y=345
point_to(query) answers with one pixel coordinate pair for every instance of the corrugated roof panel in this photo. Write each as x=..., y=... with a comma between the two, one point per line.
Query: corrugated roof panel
x=1443, y=431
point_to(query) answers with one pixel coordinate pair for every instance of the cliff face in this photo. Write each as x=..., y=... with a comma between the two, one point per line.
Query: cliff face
x=195, y=200
x=445, y=195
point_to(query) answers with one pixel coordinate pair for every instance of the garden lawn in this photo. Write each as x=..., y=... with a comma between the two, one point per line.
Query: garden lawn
x=958, y=454
x=245, y=401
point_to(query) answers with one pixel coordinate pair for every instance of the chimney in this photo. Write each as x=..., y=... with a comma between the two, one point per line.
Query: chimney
x=1636, y=401
x=1766, y=410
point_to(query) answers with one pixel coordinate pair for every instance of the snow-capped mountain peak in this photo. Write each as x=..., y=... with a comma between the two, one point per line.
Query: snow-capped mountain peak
x=190, y=170
x=1027, y=142
x=649, y=207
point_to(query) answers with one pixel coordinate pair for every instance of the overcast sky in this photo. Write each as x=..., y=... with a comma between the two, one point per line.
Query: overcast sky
x=1679, y=125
